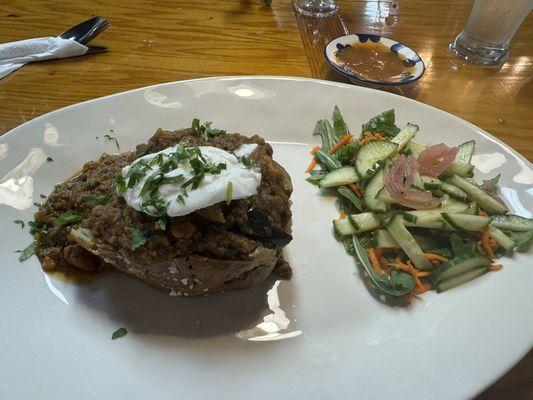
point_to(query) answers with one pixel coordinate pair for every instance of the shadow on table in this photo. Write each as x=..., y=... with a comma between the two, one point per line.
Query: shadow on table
x=144, y=310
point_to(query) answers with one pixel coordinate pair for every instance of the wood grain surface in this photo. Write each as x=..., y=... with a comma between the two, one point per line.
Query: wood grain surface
x=153, y=42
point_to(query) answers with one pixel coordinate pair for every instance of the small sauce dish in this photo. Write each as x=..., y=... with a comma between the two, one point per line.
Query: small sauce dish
x=375, y=59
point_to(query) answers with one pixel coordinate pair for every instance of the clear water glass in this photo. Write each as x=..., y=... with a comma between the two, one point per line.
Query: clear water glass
x=316, y=8
x=490, y=27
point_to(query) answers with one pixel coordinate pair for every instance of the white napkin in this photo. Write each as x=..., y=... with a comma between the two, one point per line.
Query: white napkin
x=14, y=55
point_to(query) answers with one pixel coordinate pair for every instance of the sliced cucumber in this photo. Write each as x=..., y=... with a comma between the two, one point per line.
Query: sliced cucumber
x=501, y=238
x=512, y=222
x=440, y=225
x=461, y=169
x=431, y=183
x=373, y=152
x=465, y=152
x=454, y=192
x=418, y=183
x=415, y=149
x=356, y=223
x=457, y=266
x=371, y=190
x=472, y=208
x=488, y=203
x=384, y=195
x=434, y=215
x=339, y=177
x=461, y=279
x=406, y=241
x=382, y=238
x=466, y=222
x=405, y=135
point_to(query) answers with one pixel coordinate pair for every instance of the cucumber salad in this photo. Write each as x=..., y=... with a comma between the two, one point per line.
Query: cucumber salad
x=411, y=213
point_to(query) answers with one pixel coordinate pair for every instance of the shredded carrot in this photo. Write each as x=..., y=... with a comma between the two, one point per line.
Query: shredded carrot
x=315, y=148
x=344, y=141
x=433, y=256
x=482, y=212
x=423, y=288
x=382, y=260
x=378, y=136
x=421, y=274
x=495, y=267
x=485, y=241
x=342, y=214
x=356, y=189
x=478, y=246
x=311, y=165
x=374, y=260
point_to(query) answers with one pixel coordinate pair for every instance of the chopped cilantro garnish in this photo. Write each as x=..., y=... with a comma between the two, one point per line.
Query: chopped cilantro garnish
x=100, y=199
x=229, y=192
x=28, y=252
x=19, y=222
x=205, y=130
x=119, y=333
x=180, y=199
x=69, y=217
x=138, y=239
x=246, y=162
x=155, y=206
x=161, y=223
x=113, y=139
x=36, y=227
x=49, y=159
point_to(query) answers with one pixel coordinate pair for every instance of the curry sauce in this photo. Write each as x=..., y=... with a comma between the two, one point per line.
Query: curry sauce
x=374, y=62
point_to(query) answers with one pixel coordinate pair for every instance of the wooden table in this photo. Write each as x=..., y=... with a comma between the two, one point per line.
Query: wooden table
x=152, y=42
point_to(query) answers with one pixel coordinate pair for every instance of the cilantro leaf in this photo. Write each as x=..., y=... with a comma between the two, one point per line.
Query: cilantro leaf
x=110, y=138
x=69, y=217
x=100, y=199
x=138, y=239
x=119, y=333
x=28, y=252
x=19, y=222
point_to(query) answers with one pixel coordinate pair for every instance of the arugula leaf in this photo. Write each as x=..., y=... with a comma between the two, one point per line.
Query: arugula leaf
x=327, y=133
x=100, y=199
x=346, y=154
x=338, y=123
x=69, y=217
x=138, y=239
x=316, y=176
x=398, y=284
x=382, y=123
x=351, y=197
x=494, y=181
x=19, y=222
x=119, y=333
x=28, y=252
x=327, y=160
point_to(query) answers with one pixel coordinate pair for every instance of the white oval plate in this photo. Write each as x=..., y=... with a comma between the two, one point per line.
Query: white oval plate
x=329, y=338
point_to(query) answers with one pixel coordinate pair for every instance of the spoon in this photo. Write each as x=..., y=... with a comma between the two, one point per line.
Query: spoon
x=86, y=31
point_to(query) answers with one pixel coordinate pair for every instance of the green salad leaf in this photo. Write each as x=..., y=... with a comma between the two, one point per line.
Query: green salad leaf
x=69, y=217
x=138, y=239
x=383, y=124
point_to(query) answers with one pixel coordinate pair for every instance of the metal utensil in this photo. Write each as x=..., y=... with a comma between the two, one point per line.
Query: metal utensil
x=96, y=49
x=86, y=31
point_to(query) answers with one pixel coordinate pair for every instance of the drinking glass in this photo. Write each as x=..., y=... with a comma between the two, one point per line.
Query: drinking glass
x=490, y=27
x=316, y=8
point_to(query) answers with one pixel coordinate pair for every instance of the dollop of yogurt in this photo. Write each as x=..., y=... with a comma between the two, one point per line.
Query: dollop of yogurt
x=212, y=189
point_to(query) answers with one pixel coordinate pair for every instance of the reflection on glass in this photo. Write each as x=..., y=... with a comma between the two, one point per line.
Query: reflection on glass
x=511, y=198
x=316, y=8
x=4, y=148
x=160, y=100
